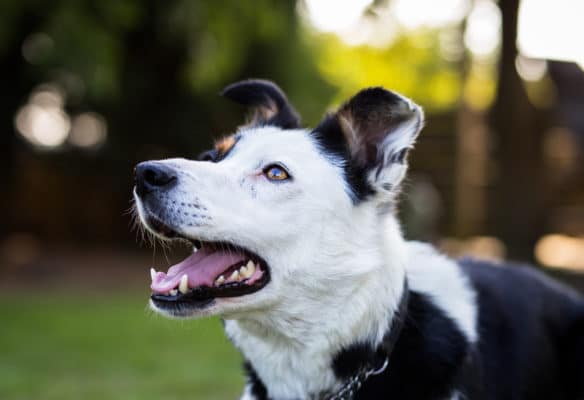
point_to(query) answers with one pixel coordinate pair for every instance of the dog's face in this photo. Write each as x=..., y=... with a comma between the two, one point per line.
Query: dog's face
x=273, y=210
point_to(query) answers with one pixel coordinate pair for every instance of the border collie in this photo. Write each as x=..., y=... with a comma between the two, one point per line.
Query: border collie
x=297, y=247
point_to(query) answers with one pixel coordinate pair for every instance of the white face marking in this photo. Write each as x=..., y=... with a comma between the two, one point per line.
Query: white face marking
x=285, y=222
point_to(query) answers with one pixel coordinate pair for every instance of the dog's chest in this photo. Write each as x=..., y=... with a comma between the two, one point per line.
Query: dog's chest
x=287, y=371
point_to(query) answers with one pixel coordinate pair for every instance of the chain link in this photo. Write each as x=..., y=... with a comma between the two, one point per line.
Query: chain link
x=347, y=392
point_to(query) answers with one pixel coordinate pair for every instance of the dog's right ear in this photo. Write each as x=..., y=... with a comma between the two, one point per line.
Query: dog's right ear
x=269, y=103
x=373, y=131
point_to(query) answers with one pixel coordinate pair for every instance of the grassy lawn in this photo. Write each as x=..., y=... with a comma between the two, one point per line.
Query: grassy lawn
x=110, y=347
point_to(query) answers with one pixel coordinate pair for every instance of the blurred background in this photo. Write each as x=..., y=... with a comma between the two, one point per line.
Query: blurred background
x=91, y=88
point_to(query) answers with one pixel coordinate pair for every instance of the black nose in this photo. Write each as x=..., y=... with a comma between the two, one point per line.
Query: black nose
x=152, y=175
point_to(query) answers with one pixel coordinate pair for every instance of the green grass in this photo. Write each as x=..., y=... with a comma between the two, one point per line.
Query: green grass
x=110, y=347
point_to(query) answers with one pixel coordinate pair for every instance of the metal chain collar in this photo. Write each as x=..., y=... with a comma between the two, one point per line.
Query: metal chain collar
x=347, y=392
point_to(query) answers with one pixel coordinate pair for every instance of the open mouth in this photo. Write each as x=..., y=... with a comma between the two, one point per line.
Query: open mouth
x=214, y=270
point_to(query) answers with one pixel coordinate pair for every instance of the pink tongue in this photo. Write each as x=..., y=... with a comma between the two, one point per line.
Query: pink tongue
x=202, y=268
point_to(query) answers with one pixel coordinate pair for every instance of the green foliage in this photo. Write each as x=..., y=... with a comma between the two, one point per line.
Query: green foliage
x=411, y=65
x=220, y=35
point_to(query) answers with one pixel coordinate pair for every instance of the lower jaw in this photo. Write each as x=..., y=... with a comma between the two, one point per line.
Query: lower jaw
x=181, y=309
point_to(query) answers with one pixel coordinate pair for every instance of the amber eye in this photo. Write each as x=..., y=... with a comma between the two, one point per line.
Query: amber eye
x=276, y=173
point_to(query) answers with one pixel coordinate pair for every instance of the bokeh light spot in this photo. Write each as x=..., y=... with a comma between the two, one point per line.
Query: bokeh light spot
x=88, y=130
x=530, y=69
x=483, y=30
x=560, y=251
x=42, y=121
x=335, y=15
x=37, y=47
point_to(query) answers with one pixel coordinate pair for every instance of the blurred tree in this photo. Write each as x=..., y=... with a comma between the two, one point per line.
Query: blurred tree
x=518, y=195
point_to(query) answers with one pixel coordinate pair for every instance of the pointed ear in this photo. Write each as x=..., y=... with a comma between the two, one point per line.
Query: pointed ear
x=269, y=103
x=374, y=130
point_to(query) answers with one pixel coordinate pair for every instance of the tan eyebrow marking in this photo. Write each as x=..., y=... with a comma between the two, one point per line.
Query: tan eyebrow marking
x=225, y=144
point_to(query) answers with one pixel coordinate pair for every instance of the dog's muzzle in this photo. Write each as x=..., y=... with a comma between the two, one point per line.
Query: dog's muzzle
x=216, y=270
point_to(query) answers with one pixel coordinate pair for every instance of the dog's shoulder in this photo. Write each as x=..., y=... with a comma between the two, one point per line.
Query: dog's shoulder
x=446, y=286
x=520, y=286
x=532, y=331
x=519, y=299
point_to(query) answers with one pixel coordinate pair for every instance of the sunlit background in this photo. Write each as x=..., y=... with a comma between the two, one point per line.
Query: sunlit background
x=91, y=88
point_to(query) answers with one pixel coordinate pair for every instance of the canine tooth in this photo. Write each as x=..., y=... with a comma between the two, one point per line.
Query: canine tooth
x=234, y=276
x=250, y=264
x=173, y=292
x=243, y=270
x=220, y=280
x=183, y=286
x=152, y=273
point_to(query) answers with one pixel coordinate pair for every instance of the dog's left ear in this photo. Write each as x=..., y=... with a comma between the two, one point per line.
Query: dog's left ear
x=375, y=129
x=269, y=103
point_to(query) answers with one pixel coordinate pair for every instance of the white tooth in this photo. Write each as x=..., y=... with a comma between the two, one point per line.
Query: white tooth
x=251, y=268
x=173, y=292
x=183, y=286
x=234, y=276
x=152, y=273
x=243, y=270
x=247, y=273
x=220, y=280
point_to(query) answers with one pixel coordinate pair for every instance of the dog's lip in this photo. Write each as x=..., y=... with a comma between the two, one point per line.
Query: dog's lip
x=180, y=304
x=201, y=291
x=158, y=226
x=202, y=294
x=214, y=265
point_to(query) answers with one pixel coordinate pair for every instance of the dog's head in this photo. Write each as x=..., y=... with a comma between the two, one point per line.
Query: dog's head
x=276, y=211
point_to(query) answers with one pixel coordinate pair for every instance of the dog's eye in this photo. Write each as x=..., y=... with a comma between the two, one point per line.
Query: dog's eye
x=276, y=173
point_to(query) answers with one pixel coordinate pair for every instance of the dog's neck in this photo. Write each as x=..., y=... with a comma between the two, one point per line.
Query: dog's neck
x=292, y=346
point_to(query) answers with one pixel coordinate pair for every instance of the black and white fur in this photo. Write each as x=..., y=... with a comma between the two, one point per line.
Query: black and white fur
x=339, y=263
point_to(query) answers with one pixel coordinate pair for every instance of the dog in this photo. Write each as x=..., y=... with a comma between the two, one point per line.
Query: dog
x=296, y=245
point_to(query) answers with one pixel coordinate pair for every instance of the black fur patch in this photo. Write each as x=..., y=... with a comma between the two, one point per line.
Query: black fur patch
x=258, y=389
x=330, y=138
x=354, y=358
x=531, y=333
x=426, y=362
x=208, y=155
x=270, y=103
